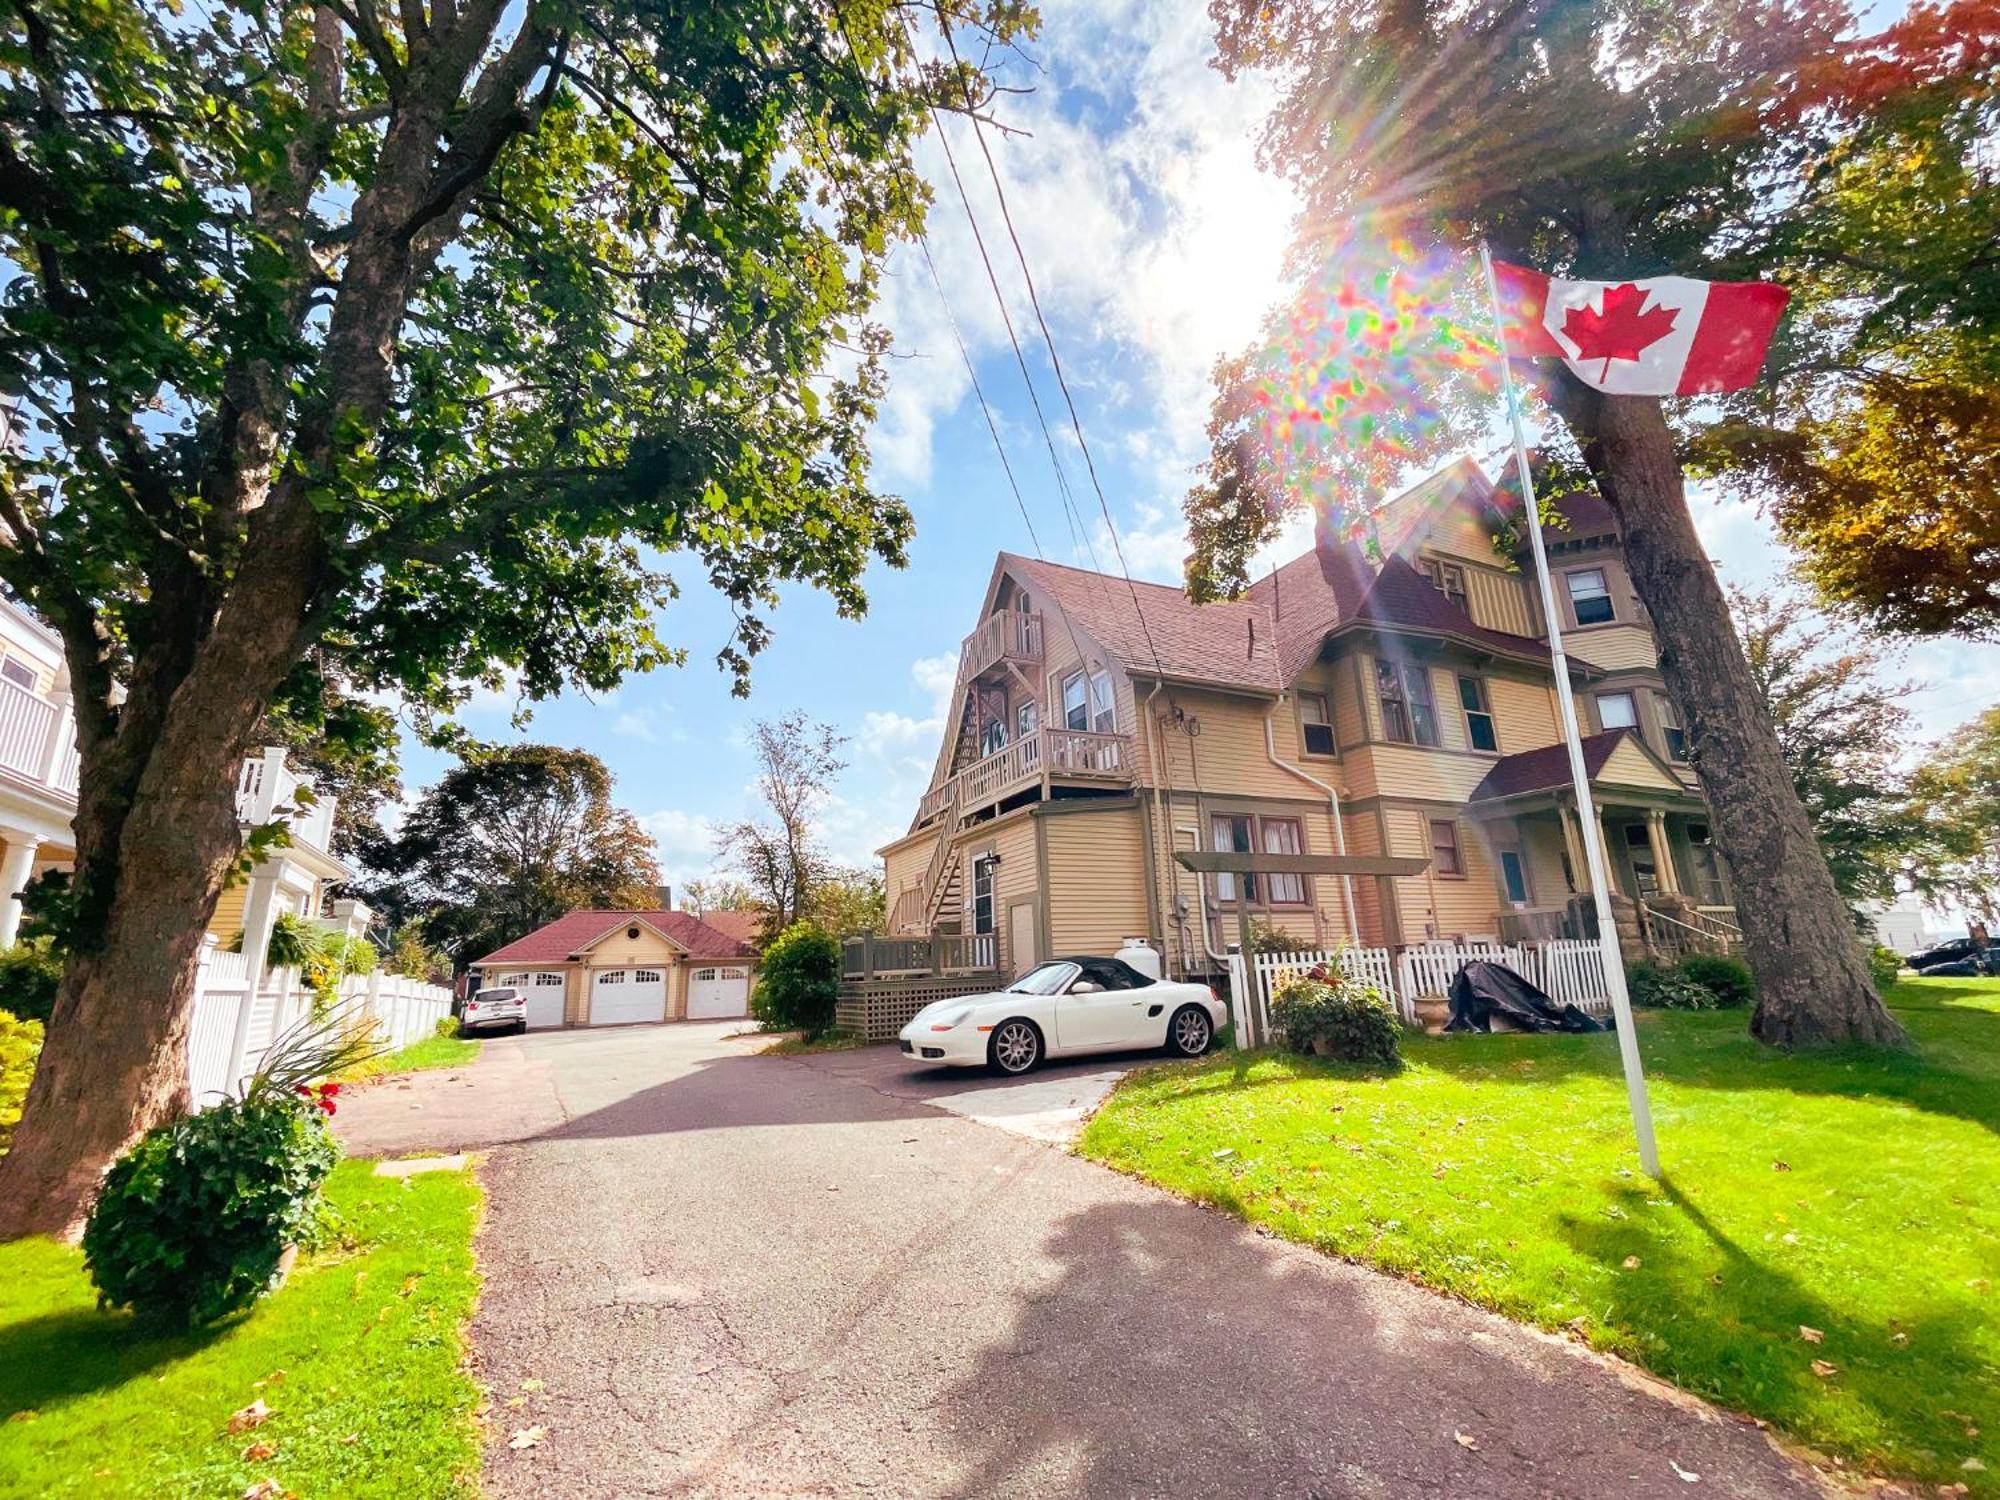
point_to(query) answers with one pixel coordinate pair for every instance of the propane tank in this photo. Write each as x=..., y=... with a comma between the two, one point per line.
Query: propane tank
x=1141, y=955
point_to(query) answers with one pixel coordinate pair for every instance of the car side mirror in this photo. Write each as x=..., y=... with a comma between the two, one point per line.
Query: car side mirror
x=1086, y=987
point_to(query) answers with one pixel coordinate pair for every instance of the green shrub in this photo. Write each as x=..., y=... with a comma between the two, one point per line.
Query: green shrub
x=29, y=974
x=799, y=981
x=1884, y=965
x=20, y=1045
x=1728, y=979
x=1264, y=938
x=447, y=1026
x=1668, y=989
x=192, y=1222
x=1327, y=1012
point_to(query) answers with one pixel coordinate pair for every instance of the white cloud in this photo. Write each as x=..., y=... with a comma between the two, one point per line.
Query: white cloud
x=686, y=841
x=1156, y=244
x=937, y=677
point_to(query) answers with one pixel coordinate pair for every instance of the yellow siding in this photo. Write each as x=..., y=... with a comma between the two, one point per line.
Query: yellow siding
x=1229, y=756
x=1097, y=880
x=1457, y=533
x=1413, y=771
x=1013, y=839
x=618, y=951
x=1524, y=715
x=1628, y=765
x=1614, y=647
x=1439, y=906
x=904, y=867
x=228, y=919
x=1499, y=600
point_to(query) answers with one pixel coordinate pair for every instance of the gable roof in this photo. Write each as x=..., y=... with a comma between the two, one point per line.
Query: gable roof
x=1161, y=630
x=1546, y=768
x=575, y=931
x=1402, y=598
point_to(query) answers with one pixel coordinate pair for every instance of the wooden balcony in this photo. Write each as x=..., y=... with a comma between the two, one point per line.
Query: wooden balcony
x=1008, y=635
x=1065, y=755
x=37, y=738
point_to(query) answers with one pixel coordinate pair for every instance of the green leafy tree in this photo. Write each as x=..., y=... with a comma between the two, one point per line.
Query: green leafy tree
x=1841, y=727
x=1955, y=795
x=510, y=841
x=849, y=900
x=1602, y=142
x=798, y=981
x=394, y=346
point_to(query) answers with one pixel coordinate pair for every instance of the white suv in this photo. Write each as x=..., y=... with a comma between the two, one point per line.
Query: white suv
x=502, y=1005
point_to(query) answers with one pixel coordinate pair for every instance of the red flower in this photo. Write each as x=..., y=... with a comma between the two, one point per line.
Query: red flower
x=328, y=1090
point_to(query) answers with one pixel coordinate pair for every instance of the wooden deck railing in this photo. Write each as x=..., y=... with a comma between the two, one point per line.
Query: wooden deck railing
x=870, y=955
x=1006, y=635
x=1065, y=754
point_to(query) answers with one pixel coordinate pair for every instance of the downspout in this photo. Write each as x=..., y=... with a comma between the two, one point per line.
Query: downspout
x=1156, y=740
x=1155, y=892
x=1333, y=808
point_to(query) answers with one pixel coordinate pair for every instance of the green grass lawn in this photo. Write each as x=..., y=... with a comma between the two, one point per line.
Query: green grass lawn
x=358, y=1357
x=431, y=1052
x=1854, y=1195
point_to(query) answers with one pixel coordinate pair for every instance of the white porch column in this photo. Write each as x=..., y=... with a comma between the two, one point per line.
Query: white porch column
x=260, y=915
x=352, y=917
x=16, y=866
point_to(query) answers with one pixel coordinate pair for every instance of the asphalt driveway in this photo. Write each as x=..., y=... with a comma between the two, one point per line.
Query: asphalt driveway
x=715, y=1273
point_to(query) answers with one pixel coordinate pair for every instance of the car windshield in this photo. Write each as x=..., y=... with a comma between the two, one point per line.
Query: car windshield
x=1043, y=979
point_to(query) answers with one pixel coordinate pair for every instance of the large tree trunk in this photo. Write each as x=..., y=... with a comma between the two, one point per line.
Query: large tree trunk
x=114, y=1063
x=1812, y=978
x=156, y=840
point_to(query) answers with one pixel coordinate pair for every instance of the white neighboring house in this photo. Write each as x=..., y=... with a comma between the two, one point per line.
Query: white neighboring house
x=1899, y=925
x=38, y=775
x=37, y=759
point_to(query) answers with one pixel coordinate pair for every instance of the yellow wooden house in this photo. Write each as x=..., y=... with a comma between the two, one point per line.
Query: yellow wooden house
x=1396, y=700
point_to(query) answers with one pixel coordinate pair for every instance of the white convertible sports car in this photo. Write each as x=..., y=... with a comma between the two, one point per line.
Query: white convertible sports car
x=1062, y=1008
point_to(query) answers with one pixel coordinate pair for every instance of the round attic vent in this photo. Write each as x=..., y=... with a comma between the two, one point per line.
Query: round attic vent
x=632, y=932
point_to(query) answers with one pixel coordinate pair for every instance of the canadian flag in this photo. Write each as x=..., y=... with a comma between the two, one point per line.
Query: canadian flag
x=1660, y=336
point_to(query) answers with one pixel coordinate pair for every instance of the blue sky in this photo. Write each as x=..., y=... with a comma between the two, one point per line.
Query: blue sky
x=1155, y=244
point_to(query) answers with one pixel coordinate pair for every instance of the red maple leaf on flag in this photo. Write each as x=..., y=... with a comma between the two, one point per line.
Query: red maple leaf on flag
x=1623, y=330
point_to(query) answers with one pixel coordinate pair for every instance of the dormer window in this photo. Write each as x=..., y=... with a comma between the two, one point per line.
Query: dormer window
x=1448, y=578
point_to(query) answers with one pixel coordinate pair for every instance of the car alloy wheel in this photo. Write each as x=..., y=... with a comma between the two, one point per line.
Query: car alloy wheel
x=1016, y=1048
x=1192, y=1031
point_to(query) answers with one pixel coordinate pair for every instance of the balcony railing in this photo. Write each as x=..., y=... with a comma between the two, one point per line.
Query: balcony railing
x=1061, y=754
x=37, y=738
x=267, y=791
x=1006, y=635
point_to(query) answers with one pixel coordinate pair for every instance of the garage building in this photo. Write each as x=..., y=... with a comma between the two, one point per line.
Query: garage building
x=610, y=968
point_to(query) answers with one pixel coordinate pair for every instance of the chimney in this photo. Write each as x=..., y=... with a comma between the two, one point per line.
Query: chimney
x=666, y=895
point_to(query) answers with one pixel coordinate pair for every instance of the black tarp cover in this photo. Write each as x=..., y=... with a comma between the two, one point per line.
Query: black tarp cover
x=1484, y=989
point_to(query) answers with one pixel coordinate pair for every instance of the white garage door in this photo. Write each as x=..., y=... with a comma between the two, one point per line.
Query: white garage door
x=545, y=996
x=628, y=995
x=718, y=992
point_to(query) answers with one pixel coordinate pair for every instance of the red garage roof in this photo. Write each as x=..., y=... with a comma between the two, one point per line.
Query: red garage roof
x=576, y=931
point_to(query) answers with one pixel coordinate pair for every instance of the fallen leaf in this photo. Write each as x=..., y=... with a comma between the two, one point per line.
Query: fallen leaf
x=351, y=1439
x=1973, y=1466
x=1825, y=1369
x=1441, y=1169
x=1781, y=1166
x=515, y=1403
x=1465, y=1440
x=528, y=1437
x=1687, y=1475
x=1632, y=1262
x=1811, y=1335
x=26, y=1415
x=256, y=1414
x=1219, y=1155
x=1899, y=1338
x=256, y=1453
x=264, y=1489
x=531, y=1385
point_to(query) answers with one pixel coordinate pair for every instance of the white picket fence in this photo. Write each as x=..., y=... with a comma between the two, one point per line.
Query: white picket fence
x=1566, y=970
x=232, y=1027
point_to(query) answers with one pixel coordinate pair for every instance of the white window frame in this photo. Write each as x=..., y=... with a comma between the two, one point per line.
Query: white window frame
x=1632, y=702
x=1601, y=591
x=1081, y=683
x=1310, y=703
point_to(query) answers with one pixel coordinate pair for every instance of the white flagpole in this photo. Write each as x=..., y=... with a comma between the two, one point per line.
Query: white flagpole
x=1586, y=809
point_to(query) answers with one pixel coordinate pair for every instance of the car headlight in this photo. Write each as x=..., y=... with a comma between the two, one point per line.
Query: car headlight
x=948, y=1019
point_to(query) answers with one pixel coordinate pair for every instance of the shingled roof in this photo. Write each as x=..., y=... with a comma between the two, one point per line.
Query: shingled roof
x=1545, y=769
x=574, y=931
x=1229, y=644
